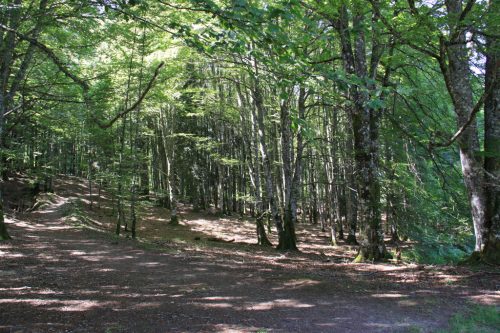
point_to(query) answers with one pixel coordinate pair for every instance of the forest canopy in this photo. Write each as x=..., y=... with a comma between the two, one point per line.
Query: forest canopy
x=375, y=119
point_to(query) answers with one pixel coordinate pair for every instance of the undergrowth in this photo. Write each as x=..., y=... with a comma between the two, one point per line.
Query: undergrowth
x=436, y=254
x=74, y=213
x=438, y=249
x=478, y=319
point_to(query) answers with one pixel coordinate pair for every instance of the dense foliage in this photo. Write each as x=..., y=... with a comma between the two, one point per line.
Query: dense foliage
x=374, y=118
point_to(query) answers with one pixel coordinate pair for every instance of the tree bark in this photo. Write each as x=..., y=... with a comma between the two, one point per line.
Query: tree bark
x=491, y=250
x=287, y=238
x=266, y=163
x=365, y=122
x=8, y=47
x=457, y=77
x=253, y=166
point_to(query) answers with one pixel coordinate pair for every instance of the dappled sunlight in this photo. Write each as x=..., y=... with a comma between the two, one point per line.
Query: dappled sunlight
x=331, y=326
x=407, y=302
x=58, y=305
x=96, y=256
x=6, y=254
x=427, y=292
x=48, y=257
x=214, y=305
x=389, y=295
x=296, y=284
x=233, y=328
x=47, y=211
x=228, y=229
x=15, y=289
x=390, y=326
x=486, y=297
x=151, y=264
x=278, y=303
x=222, y=298
x=239, y=304
x=228, y=233
x=136, y=295
x=209, y=272
x=46, y=219
x=446, y=278
x=88, y=222
x=189, y=287
x=23, y=224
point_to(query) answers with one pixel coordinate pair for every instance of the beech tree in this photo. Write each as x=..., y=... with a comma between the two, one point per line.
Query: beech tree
x=289, y=112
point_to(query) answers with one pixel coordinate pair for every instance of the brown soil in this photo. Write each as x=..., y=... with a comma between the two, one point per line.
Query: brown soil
x=56, y=276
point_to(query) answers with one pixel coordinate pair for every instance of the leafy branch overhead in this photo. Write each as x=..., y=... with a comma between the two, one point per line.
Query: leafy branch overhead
x=287, y=112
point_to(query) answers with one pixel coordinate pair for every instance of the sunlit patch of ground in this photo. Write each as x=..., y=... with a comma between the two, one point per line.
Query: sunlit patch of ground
x=486, y=297
x=197, y=230
x=60, y=305
x=207, y=274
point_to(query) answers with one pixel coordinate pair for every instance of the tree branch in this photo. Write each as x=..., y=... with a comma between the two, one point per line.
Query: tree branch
x=136, y=104
x=462, y=129
x=317, y=62
x=13, y=109
x=467, y=9
x=84, y=85
x=398, y=36
x=62, y=67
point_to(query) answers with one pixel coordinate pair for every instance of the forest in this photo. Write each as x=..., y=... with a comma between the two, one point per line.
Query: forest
x=202, y=143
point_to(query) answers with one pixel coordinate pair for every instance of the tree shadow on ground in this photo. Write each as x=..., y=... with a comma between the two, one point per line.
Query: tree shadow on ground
x=54, y=277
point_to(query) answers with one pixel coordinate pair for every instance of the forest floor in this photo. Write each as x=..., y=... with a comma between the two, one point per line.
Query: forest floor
x=64, y=272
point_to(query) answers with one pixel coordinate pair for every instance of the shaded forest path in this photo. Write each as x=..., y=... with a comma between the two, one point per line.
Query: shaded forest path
x=55, y=277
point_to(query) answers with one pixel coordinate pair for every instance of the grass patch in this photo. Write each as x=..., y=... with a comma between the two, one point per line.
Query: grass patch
x=478, y=319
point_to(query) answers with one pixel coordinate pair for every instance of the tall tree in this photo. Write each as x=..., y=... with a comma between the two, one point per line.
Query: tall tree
x=491, y=250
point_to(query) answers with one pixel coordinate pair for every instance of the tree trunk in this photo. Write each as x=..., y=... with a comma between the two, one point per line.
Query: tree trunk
x=287, y=239
x=119, y=202
x=457, y=77
x=292, y=171
x=365, y=130
x=491, y=250
x=266, y=163
x=254, y=170
x=390, y=211
x=352, y=193
x=8, y=48
x=4, y=235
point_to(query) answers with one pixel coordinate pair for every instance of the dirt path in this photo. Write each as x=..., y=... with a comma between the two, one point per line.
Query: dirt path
x=57, y=278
